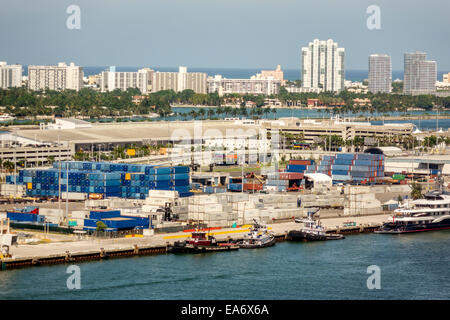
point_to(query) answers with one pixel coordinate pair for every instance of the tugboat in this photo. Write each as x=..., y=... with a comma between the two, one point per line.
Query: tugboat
x=259, y=237
x=200, y=243
x=312, y=231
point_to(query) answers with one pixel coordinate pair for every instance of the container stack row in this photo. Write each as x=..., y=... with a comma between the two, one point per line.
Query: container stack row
x=235, y=184
x=291, y=179
x=351, y=167
x=108, y=180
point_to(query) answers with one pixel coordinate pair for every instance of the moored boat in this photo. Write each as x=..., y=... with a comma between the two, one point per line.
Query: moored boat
x=259, y=237
x=200, y=243
x=428, y=214
x=6, y=117
x=312, y=231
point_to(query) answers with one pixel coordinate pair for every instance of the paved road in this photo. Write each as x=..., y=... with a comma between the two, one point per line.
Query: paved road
x=61, y=244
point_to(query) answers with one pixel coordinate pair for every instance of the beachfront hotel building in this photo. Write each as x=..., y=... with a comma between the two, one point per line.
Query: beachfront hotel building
x=380, y=73
x=323, y=66
x=277, y=74
x=112, y=80
x=255, y=85
x=420, y=75
x=179, y=81
x=60, y=77
x=10, y=75
x=446, y=77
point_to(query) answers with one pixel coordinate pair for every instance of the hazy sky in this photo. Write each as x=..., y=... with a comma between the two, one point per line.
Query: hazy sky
x=213, y=33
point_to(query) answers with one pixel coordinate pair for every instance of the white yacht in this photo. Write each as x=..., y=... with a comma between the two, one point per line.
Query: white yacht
x=427, y=214
x=6, y=117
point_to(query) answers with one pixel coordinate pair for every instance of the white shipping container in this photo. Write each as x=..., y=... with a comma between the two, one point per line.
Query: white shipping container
x=163, y=194
x=237, y=197
x=73, y=196
x=80, y=214
x=12, y=190
x=48, y=212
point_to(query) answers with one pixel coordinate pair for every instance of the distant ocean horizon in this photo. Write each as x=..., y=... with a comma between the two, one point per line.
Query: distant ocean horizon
x=240, y=73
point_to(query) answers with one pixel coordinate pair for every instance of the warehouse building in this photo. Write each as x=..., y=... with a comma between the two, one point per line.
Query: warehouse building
x=106, y=136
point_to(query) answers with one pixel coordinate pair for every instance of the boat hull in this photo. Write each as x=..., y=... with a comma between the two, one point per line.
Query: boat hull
x=246, y=245
x=391, y=229
x=307, y=236
x=200, y=248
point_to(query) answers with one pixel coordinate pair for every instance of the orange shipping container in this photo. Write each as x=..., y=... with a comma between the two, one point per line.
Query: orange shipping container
x=95, y=196
x=291, y=176
x=252, y=186
x=300, y=162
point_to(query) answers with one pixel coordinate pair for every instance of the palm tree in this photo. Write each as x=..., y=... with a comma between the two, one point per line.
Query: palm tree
x=202, y=113
x=211, y=113
x=8, y=165
x=193, y=114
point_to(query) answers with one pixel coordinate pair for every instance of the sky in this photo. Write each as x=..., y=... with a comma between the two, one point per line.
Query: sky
x=213, y=33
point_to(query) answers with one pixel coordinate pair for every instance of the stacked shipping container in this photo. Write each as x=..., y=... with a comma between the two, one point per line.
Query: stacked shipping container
x=292, y=178
x=107, y=179
x=356, y=167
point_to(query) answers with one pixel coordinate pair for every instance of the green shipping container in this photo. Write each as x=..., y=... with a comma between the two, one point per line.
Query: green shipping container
x=72, y=223
x=398, y=177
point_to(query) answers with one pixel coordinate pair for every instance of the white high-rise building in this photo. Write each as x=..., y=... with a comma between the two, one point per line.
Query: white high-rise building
x=420, y=75
x=380, y=73
x=323, y=66
x=60, y=77
x=179, y=81
x=254, y=85
x=150, y=73
x=112, y=80
x=10, y=75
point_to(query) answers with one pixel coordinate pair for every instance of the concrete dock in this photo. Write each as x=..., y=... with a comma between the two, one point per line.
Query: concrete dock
x=66, y=249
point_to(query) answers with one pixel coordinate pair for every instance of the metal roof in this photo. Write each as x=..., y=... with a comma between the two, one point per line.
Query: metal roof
x=319, y=177
x=139, y=131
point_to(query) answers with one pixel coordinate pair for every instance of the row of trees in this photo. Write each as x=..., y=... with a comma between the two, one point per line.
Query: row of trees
x=334, y=142
x=119, y=152
x=89, y=102
x=380, y=102
x=228, y=111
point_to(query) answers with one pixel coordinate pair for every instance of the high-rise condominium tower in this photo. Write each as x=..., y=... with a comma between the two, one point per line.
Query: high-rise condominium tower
x=10, y=75
x=323, y=66
x=60, y=77
x=179, y=81
x=420, y=75
x=380, y=73
x=112, y=80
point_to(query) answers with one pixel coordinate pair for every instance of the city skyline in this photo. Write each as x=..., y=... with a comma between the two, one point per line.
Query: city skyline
x=206, y=41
